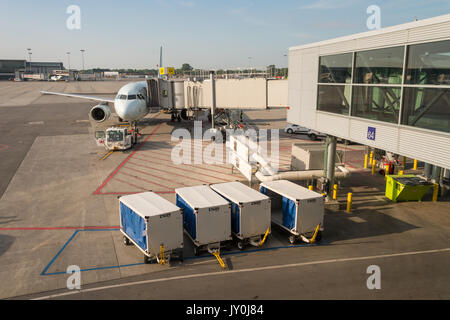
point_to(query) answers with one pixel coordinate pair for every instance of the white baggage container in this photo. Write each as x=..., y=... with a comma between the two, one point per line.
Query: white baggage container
x=250, y=212
x=149, y=222
x=206, y=216
x=295, y=208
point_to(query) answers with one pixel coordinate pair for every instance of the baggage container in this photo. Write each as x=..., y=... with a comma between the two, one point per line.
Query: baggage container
x=295, y=209
x=152, y=224
x=206, y=217
x=250, y=212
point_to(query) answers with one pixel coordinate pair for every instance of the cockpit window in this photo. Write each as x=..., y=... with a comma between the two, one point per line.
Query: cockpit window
x=132, y=97
x=123, y=97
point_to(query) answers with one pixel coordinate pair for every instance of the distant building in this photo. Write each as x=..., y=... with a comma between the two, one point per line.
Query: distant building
x=10, y=69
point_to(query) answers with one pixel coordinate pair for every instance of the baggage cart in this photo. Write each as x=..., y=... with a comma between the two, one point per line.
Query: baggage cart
x=206, y=217
x=250, y=212
x=295, y=209
x=153, y=224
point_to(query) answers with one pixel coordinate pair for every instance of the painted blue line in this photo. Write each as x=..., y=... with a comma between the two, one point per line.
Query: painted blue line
x=44, y=272
x=59, y=252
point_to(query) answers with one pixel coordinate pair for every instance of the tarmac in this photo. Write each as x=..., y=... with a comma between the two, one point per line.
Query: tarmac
x=59, y=207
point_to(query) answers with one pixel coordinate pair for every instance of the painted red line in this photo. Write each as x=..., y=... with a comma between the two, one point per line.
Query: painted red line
x=3, y=147
x=178, y=174
x=60, y=228
x=125, y=161
x=152, y=175
x=191, y=165
x=130, y=184
x=142, y=179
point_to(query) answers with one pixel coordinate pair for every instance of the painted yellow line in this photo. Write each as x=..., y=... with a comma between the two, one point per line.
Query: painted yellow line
x=221, y=273
x=107, y=155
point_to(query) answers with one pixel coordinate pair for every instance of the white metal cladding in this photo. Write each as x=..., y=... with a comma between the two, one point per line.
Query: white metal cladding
x=433, y=148
x=335, y=125
x=426, y=33
x=382, y=40
x=343, y=46
x=424, y=145
x=386, y=135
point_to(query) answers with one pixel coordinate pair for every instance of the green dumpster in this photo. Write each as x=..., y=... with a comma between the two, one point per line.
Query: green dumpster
x=406, y=187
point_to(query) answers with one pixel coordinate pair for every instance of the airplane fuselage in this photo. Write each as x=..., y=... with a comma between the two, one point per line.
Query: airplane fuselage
x=130, y=102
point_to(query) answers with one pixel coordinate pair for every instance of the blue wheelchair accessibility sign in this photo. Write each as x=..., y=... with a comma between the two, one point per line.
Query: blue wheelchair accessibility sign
x=371, y=133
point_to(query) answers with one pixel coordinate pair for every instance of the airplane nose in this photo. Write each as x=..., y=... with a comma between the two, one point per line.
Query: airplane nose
x=128, y=110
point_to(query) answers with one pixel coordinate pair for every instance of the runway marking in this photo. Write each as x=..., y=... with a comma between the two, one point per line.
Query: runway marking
x=210, y=274
x=36, y=122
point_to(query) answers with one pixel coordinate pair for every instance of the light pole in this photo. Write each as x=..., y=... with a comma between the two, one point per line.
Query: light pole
x=82, y=57
x=29, y=58
x=250, y=65
x=68, y=57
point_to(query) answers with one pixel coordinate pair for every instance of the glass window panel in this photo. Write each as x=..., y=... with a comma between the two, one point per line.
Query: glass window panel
x=427, y=108
x=336, y=68
x=429, y=63
x=379, y=66
x=333, y=98
x=376, y=102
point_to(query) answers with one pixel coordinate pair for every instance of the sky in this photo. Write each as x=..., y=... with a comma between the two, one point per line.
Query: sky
x=208, y=34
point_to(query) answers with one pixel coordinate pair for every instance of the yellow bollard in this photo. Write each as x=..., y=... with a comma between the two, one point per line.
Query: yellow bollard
x=435, y=192
x=349, y=202
x=400, y=173
x=310, y=187
x=386, y=169
x=365, y=161
x=374, y=163
x=371, y=157
x=335, y=192
x=415, y=164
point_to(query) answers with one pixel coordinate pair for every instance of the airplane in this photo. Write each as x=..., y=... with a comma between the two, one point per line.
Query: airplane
x=130, y=103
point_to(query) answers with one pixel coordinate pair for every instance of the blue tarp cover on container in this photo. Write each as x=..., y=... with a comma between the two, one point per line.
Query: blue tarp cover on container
x=288, y=208
x=188, y=217
x=134, y=226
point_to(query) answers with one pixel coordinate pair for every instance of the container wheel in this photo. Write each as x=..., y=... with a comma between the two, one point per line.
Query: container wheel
x=291, y=239
x=147, y=259
x=240, y=245
x=180, y=257
x=126, y=241
x=290, y=131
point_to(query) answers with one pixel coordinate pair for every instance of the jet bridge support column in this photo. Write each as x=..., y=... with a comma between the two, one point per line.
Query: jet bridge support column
x=331, y=163
x=213, y=96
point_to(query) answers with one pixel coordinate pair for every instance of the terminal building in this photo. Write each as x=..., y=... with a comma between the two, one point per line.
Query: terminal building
x=388, y=89
x=19, y=69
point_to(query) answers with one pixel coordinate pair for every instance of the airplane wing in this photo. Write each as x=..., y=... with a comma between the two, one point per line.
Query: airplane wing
x=73, y=95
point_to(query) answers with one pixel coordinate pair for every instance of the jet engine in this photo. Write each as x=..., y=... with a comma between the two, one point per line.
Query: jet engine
x=100, y=112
